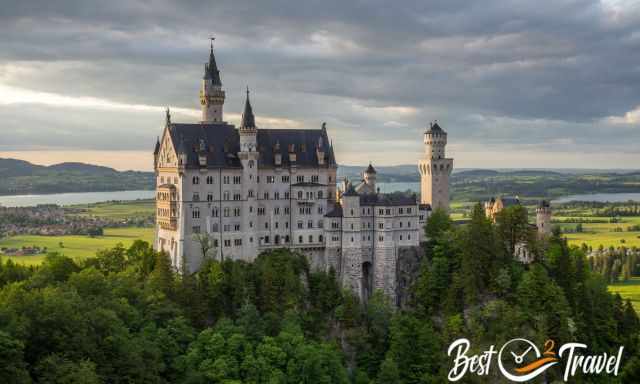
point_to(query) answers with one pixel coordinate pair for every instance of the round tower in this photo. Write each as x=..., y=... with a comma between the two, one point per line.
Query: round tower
x=543, y=217
x=211, y=94
x=370, y=177
x=435, y=169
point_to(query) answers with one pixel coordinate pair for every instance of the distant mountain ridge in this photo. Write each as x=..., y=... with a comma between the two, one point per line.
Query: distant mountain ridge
x=23, y=177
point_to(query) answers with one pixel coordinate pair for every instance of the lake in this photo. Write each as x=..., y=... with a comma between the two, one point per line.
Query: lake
x=600, y=197
x=73, y=198
x=98, y=197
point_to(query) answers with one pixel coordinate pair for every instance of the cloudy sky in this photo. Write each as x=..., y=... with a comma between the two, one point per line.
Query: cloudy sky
x=544, y=83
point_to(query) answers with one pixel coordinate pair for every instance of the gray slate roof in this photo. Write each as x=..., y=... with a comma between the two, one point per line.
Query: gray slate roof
x=222, y=143
x=386, y=200
x=211, y=70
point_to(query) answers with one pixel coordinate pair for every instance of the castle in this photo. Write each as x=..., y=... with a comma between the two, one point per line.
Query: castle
x=249, y=190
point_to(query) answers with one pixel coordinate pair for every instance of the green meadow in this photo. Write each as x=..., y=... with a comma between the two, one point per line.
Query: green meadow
x=118, y=209
x=605, y=234
x=629, y=290
x=77, y=247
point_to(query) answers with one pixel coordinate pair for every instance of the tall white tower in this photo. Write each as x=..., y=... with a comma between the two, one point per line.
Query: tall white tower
x=435, y=169
x=249, y=157
x=211, y=94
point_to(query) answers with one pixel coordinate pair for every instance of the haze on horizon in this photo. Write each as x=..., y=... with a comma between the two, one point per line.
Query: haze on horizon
x=520, y=84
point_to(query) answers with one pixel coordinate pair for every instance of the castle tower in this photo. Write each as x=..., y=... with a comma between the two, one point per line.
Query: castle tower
x=435, y=169
x=211, y=94
x=543, y=218
x=248, y=156
x=370, y=177
x=351, y=240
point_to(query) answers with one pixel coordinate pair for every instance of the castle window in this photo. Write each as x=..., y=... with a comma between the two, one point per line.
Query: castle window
x=286, y=210
x=408, y=224
x=237, y=242
x=237, y=179
x=408, y=210
x=236, y=212
x=266, y=195
x=300, y=225
x=214, y=212
x=271, y=179
x=250, y=194
x=380, y=225
x=352, y=212
x=352, y=239
x=209, y=179
x=300, y=239
x=250, y=163
x=381, y=238
x=214, y=227
x=286, y=225
x=401, y=224
x=320, y=224
x=286, y=195
x=226, y=212
x=195, y=180
x=276, y=195
x=195, y=213
x=196, y=229
x=400, y=237
x=285, y=179
x=409, y=237
x=286, y=239
x=300, y=179
x=225, y=179
x=315, y=178
x=299, y=195
x=260, y=211
x=227, y=243
x=266, y=225
x=311, y=238
x=400, y=211
x=237, y=197
x=196, y=196
x=210, y=197
x=226, y=195
x=319, y=194
x=310, y=224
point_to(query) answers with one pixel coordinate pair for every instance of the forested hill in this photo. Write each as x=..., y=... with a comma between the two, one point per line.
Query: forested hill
x=22, y=177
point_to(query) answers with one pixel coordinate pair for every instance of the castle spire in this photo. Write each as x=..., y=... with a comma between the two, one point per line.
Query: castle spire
x=211, y=71
x=248, y=120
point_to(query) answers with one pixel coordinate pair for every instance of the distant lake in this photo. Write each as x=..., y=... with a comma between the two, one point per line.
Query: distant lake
x=73, y=198
x=98, y=197
x=600, y=197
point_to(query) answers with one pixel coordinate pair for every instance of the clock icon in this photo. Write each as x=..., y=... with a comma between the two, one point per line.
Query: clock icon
x=520, y=360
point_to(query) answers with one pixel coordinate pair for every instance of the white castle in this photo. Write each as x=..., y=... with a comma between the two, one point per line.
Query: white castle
x=250, y=190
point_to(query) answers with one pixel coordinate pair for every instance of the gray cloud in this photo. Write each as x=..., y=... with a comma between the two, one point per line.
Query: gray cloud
x=543, y=74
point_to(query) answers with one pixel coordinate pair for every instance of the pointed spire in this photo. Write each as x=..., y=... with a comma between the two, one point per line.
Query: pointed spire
x=211, y=71
x=167, y=117
x=248, y=120
x=157, y=148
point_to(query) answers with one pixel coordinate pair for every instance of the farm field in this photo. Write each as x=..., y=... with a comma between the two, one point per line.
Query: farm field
x=118, y=209
x=596, y=234
x=77, y=247
x=629, y=290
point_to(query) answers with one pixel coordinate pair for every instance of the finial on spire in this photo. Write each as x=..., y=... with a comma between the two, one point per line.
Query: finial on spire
x=168, y=116
x=247, y=92
x=212, y=38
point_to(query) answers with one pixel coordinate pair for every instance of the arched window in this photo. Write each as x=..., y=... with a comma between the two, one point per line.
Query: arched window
x=196, y=213
x=300, y=240
x=300, y=195
x=196, y=180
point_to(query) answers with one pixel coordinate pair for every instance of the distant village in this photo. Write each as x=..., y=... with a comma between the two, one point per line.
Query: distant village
x=54, y=220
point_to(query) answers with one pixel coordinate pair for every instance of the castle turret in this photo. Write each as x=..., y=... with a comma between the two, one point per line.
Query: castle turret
x=370, y=177
x=249, y=157
x=543, y=218
x=351, y=239
x=435, y=169
x=211, y=94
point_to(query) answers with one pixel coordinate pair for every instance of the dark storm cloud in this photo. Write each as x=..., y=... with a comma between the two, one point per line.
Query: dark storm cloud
x=519, y=72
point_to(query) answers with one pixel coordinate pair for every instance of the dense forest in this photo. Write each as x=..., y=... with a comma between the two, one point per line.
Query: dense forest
x=123, y=316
